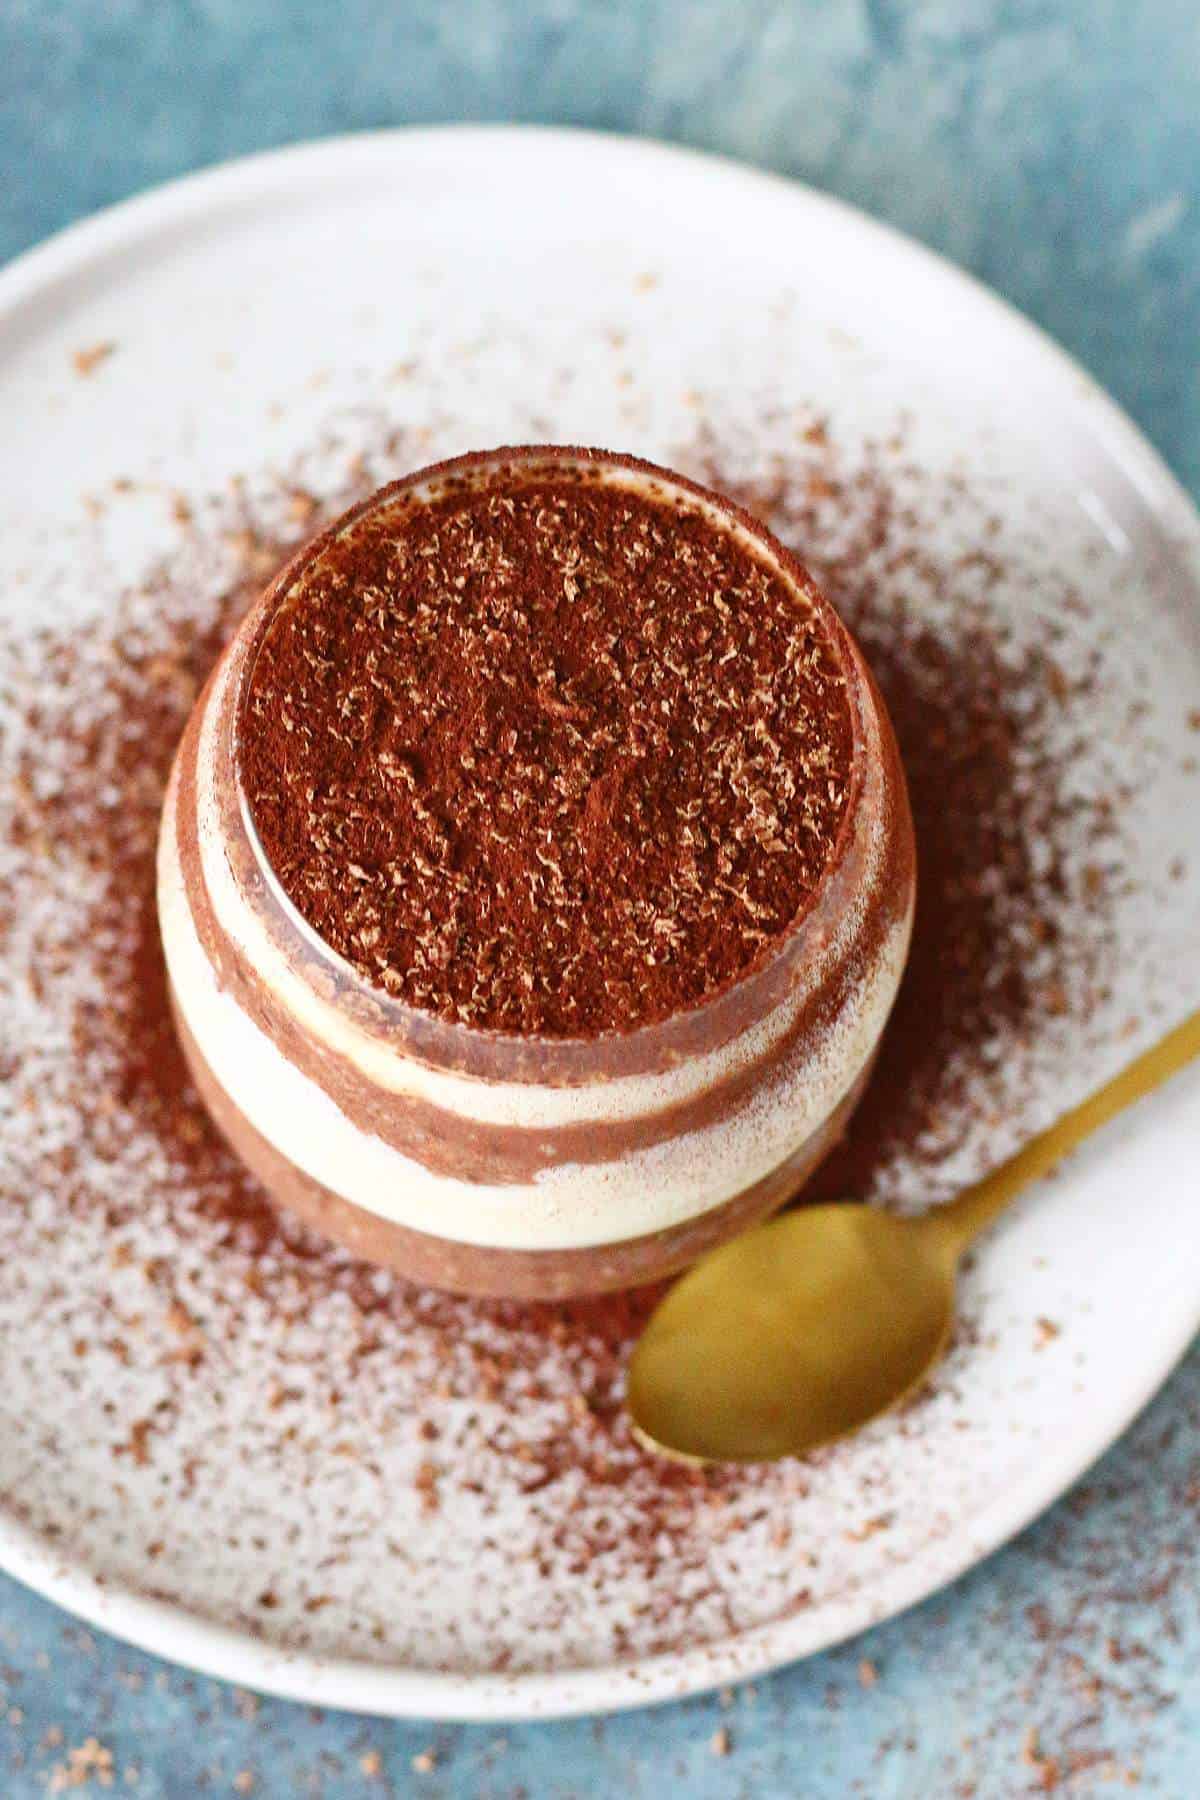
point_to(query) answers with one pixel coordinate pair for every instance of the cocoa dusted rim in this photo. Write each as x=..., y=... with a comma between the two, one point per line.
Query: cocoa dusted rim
x=720, y=1012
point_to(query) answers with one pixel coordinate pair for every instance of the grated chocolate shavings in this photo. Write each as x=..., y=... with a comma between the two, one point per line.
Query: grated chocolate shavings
x=547, y=756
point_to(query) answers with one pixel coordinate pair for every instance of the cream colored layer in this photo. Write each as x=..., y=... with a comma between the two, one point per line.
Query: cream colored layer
x=525, y=1105
x=573, y=1206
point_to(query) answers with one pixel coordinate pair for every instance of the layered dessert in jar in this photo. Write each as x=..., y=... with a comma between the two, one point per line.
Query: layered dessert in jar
x=536, y=876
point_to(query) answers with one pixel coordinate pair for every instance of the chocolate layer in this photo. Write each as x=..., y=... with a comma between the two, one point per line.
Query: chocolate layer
x=503, y=1273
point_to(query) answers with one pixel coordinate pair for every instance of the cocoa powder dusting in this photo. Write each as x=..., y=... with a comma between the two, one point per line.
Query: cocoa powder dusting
x=547, y=755
x=1015, y=867
x=395, y=1417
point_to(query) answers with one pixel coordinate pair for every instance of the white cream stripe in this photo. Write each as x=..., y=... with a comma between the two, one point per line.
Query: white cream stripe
x=567, y=1207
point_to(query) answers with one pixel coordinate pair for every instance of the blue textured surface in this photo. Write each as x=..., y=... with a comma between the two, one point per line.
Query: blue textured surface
x=1054, y=148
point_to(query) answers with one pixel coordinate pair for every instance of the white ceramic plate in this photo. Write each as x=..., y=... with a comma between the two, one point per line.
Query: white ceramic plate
x=481, y=286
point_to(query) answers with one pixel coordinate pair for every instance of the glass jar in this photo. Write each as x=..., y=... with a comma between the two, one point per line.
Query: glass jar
x=524, y=1166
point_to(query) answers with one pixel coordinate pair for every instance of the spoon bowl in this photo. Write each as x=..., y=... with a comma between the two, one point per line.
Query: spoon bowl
x=796, y=1333
x=809, y=1326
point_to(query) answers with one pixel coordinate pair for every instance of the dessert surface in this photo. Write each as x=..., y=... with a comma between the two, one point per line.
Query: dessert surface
x=548, y=751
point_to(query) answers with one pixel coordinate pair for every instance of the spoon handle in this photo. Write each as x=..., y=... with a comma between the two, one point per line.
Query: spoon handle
x=975, y=1209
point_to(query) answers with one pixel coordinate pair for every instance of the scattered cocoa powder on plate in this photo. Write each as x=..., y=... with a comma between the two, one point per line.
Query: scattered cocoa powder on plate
x=128, y=1234
x=1015, y=869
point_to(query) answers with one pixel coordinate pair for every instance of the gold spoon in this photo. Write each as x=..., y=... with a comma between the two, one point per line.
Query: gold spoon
x=807, y=1327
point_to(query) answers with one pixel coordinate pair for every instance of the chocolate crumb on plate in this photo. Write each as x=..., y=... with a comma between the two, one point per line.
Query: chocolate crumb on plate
x=87, y=360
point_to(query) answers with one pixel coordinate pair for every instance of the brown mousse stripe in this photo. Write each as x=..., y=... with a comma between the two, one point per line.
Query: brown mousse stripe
x=506, y=1273
x=475, y=1151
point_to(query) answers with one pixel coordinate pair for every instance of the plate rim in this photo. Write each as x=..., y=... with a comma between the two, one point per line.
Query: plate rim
x=167, y=1628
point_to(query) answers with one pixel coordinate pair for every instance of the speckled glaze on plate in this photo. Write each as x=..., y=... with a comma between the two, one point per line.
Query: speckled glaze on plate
x=276, y=302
